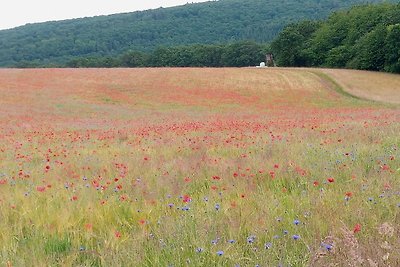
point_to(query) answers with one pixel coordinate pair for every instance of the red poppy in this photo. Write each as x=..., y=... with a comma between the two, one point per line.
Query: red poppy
x=186, y=198
x=40, y=188
x=387, y=186
x=357, y=228
x=117, y=234
x=331, y=180
x=385, y=167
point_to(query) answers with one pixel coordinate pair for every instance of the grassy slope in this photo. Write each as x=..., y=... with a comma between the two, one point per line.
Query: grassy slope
x=248, y=151
x=377, y=86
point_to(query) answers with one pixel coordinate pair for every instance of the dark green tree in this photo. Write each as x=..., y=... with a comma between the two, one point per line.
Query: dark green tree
x=242, y=54
x=370, y=50
x=289, y=47
x=392, y=47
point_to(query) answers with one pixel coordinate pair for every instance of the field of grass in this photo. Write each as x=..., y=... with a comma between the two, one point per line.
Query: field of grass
x=377, y=86
x=197, y=167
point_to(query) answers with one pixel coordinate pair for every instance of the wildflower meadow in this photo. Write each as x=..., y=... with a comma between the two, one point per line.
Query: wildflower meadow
x=198, y=167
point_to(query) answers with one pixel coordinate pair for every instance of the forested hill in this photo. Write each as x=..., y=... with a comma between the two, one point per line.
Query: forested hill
x=203, y=23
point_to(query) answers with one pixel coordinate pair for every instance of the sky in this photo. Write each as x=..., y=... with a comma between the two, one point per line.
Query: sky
x=15, y=13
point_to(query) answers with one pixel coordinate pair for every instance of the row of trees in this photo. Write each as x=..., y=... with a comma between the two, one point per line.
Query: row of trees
x=364, y=37
x=237, y=54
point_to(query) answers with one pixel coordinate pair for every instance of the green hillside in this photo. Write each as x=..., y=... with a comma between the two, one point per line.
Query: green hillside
x=203, y=23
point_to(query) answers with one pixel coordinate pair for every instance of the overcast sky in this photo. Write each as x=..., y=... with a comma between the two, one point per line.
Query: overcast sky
x=19, y=12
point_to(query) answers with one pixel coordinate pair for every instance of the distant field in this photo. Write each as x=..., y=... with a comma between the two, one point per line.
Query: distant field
x=199, y=167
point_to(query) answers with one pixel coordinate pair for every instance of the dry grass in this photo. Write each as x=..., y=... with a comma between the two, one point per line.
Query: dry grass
x=378, y=86
x=143, y=88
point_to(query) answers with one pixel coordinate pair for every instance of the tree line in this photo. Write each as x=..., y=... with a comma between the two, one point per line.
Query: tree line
x=238, y=54
x=365, y=37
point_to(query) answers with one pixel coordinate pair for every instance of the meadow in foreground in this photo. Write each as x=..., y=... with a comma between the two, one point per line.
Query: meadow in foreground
x=195, y=167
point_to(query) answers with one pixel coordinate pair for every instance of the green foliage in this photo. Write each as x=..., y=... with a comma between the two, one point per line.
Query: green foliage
x=57, y=245
x=238, y=54
x=337, y=57
x=364, y=37
x=392, y=47
x=213, y=22
x=371, y=50
x=242, y=54
x=291, y=43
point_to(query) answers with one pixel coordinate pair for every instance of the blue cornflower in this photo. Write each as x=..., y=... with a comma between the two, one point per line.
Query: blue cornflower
x=327, y=246
x=296, y=222
x=231, y=241
x=251, y=239
x=185, y=208
x=220, y=253
x=217, y=206
x=268, y=245
x=285, y=232
x=199, y=250
x=296, y=237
